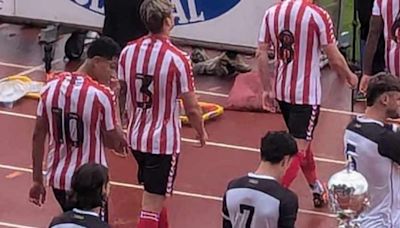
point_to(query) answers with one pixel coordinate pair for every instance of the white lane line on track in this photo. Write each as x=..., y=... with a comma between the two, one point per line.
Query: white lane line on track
x=39, y=67
x=322, y=109
x=15, y=114
x=176, y=192
x=15, y=65
x=229, y=146
x=14, y=225
x=187, y=140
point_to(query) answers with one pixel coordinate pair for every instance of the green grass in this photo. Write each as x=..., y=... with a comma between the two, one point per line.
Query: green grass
x=347, y=18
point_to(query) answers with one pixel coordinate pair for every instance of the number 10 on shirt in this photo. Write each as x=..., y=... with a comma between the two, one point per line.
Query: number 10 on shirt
x=69, y=126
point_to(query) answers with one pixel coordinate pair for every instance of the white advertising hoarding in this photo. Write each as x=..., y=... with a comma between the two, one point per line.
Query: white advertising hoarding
x=7, y=7
x=233, y=22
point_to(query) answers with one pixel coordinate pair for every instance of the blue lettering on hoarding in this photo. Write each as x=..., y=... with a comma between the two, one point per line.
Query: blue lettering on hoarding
x=187, y=11
x=96, y=6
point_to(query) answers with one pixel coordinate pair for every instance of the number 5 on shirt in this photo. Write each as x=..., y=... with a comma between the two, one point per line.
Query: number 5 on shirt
x=351, y=154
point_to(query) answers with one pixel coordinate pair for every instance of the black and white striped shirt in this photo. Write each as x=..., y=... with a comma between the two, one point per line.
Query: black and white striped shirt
x=78, y=219
x=375, y=151
x=256, y=201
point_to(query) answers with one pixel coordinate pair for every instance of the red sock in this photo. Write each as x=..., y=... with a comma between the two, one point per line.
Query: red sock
x=292, y=170
x=163, y=221
x=148, y=220
x=308, y=167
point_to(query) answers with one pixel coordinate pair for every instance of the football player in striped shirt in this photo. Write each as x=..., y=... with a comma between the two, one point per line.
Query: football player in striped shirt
x=385, y=17
x=258, y=200
x=299, y=31
x=77, y=111
x=157, y=74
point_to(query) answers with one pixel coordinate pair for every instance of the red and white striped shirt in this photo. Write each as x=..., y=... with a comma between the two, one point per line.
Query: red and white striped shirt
x=389, y=11
x=297, y=30
x=77, y=108
x=156, y=73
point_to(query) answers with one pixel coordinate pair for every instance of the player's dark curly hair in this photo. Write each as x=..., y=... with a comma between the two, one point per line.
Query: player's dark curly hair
x=104, y=47
x=87, y=186
x=380, y=84
x=275, y=145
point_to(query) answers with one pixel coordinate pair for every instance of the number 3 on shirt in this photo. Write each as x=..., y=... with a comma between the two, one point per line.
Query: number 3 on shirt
x=144, y=83
x=70, y=128
x=286, y=42
x=247, y=211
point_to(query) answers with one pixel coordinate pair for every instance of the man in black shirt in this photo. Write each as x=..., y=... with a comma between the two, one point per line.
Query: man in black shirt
x=123, y=24
x=122, y=21
x=90, y=189
x=364, y=11
x=258, y=200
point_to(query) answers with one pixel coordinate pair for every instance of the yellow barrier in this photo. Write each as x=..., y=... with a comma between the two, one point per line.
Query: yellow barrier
x=210, y=111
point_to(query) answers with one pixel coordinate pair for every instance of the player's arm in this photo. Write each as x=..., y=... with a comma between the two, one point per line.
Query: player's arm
x=37, y=193
x=327, y=40
x=190, y=102
x=338, y=63
x=264, y=41
x=288, y=211
x=121, y=79
x=226, y=223
x=113, y=135
x=262, y=63
x=38, y=143
x=267, y=79
x=194, y=113
x=122, y=96
x=375, y=31
x=389, y=146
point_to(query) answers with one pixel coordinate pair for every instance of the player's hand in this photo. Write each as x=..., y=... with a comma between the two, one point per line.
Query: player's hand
x=115, y=86
x=352, y=81
x=268, y=101
x=37, y=194
x=123, y=153
x=203, y=138
x=122, y=150
x=364, y=83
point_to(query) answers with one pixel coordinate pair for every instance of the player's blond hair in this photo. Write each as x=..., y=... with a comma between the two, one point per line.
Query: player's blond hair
x=154, y=12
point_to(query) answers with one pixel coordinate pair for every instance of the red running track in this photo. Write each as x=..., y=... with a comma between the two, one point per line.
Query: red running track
x=203, y=173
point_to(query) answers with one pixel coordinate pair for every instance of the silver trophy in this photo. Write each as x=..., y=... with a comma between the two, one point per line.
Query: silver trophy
x=348, y=196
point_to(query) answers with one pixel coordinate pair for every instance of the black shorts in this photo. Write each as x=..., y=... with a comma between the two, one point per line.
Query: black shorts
x=300, y=120
x=156, y=172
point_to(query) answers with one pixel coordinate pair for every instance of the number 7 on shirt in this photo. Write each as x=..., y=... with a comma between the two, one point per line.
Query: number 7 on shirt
x=247, y=213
